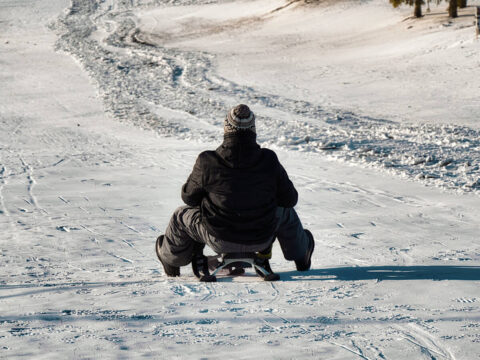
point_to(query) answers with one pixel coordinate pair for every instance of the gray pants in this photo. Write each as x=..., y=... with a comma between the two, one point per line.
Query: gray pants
x=185, y=228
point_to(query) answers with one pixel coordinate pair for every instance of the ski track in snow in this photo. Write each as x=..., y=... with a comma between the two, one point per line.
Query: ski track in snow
x=136, y=77
x=427, y=343
x=3, y=178
x=32, y=200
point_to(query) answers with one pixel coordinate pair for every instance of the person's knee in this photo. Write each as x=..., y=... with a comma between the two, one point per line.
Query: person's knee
x=179, y=211
x=183, y=216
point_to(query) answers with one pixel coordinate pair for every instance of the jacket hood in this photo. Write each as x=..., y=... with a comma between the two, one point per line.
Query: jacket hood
x=240, y=150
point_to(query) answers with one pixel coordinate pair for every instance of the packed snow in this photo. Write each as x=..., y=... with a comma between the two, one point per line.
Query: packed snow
x=104, y=106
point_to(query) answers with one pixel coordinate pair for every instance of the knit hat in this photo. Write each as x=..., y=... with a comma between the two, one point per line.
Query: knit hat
x=239, y=118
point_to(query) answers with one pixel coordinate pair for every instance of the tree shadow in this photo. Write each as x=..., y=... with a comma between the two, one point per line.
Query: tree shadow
x=380, y=273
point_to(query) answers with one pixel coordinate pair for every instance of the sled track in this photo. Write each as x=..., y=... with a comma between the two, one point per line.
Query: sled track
x=135, y=78
x=3, y=183
x=426, y=342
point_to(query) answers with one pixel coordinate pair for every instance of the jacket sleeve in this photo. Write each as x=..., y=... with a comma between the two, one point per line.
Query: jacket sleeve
x=193, y=191
x=287, y=195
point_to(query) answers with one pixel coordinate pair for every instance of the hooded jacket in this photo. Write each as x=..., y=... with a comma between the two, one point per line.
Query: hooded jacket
x=238, y=188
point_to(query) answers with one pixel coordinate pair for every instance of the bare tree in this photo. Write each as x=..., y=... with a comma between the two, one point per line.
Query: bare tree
x=417, y=11
x=452, y=9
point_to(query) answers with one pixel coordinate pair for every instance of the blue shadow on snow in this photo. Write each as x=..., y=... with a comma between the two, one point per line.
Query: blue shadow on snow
x=352, y=273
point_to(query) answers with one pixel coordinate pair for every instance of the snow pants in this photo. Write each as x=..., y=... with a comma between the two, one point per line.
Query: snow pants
x=185, y=228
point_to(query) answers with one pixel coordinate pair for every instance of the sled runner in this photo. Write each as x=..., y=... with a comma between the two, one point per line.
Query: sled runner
x=233, y=264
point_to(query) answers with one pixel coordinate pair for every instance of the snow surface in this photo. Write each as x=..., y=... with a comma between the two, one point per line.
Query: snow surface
x=104, y=108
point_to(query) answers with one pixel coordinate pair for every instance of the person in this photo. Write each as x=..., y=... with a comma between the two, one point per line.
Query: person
x=238, y=198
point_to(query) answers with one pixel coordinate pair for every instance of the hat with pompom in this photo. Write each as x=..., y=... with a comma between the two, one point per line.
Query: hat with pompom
x=240, y=118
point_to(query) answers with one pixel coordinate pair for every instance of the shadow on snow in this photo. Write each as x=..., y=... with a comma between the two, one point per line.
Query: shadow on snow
x=352, y=273
x=428, y=272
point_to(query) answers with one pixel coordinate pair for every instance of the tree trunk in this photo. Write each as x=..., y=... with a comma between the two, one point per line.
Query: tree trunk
x=452, y=9
x=462, y=4
x=417, y=12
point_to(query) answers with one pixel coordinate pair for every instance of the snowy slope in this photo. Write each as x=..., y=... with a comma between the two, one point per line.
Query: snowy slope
x=359, y=55
x=139, y=79
x=97, y=138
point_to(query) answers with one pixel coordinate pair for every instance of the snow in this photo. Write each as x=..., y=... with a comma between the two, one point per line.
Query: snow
x=104, y=108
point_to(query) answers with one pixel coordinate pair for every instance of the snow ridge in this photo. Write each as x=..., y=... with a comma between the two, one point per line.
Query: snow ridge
x=138, y=80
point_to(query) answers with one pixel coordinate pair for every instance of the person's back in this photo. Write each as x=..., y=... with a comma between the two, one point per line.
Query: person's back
x=239, y=198
x=243, y=185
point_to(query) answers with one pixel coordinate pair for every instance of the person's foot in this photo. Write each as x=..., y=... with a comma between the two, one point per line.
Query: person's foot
x=200, y=264
x=305, y=263
x=264, y=263
x=170, y=270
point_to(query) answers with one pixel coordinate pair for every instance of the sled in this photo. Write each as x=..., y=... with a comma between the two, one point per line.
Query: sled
x=232, y=264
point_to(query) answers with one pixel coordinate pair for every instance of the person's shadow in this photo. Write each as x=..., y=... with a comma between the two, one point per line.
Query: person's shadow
x=352, y=273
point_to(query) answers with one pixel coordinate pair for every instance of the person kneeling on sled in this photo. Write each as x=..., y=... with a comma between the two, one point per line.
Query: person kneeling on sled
x=239, y=199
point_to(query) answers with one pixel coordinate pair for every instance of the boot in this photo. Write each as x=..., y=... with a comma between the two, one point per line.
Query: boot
x=305, y=263
x=200, y=264
x=169, y=270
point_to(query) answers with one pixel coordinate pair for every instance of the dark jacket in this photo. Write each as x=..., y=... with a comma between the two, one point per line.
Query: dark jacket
x=238, y=188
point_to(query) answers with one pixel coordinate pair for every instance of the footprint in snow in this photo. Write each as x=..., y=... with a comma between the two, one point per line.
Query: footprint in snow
x=66, y=228
x=357, y=235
